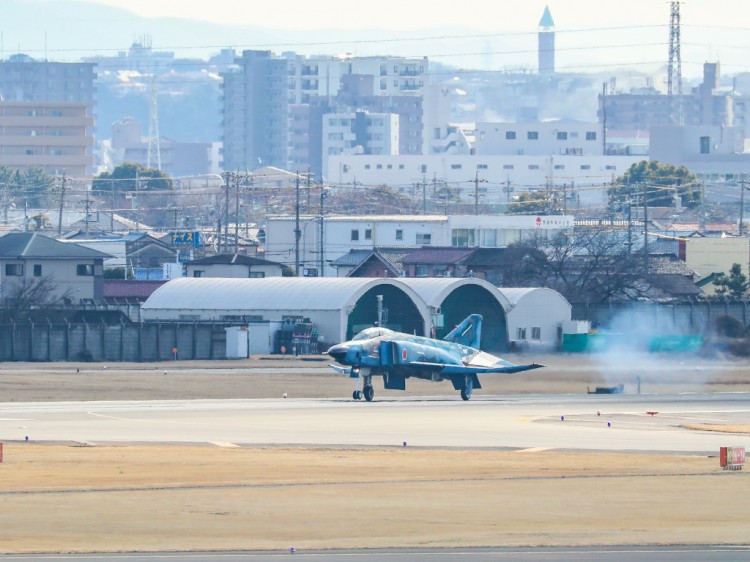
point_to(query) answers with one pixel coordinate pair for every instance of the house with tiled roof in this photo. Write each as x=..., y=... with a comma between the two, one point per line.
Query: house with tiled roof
x=436, y=262
x=233, y=265
x=72, y=273
x=378, y=262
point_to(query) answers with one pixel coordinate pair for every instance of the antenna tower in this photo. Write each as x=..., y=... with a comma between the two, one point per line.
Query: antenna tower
x=674, y=80
x=154, y=148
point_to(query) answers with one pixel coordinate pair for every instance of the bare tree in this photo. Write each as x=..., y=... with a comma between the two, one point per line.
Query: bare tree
x=32, y=293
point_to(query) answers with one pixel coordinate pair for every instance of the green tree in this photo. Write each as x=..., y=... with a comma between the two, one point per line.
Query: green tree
x=658, y=183
x=541, y=202
x=123, y=179
x=734, y=285
x=34, y=186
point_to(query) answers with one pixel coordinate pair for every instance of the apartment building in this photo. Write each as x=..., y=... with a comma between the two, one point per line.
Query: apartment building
x=55, y=136
x=25, y=79
x=273, y=106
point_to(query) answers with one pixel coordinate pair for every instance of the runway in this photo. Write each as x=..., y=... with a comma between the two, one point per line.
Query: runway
x=696, y=553
x=571, y=422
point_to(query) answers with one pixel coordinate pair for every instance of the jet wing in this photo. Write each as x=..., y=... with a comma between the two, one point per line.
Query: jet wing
x=444, y=369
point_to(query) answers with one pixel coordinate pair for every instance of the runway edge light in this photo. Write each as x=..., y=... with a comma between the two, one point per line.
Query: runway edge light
x=732, y=458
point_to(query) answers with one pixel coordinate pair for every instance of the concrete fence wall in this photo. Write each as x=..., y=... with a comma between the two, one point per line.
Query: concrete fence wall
x=121, y=342
x=687, y=318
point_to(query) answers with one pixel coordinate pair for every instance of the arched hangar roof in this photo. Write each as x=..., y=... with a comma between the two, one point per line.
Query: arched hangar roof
x=434, y=290
x=269, y=293
x=518, y=295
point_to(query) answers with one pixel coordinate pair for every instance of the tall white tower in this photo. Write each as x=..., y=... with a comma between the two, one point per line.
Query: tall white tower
x=546, y=52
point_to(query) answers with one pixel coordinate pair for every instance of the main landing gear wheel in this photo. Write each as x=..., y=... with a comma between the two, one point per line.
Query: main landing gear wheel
x=357, y=395
x=369, y=393
x=464, y=394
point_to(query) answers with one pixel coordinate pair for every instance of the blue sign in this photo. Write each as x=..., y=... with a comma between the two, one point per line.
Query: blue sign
x=186, y=239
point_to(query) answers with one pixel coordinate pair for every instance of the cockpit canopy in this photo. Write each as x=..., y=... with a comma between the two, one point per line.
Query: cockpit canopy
x=369, y=333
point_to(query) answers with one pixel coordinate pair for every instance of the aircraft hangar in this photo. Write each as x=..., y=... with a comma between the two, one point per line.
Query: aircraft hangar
x=340, y=307
x=450, y=300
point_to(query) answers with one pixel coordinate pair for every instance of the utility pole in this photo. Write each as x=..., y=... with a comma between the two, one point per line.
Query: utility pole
x=476, y=192
x=645, y=227
x=297, y=231
x=604, y=118
x=237, y=212
x=742, y=206
x=703, y=208
x=137, y=202
x=630, y=220
x=112, y=213
x=63, y=187
x=424, y=194
x=87, y=218
x=320, y=238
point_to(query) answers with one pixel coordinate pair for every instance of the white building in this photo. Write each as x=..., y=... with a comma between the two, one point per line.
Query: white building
x=536, y=317
x=585, y=178
x=540, y=138
x=360, y=132
x=341, y=234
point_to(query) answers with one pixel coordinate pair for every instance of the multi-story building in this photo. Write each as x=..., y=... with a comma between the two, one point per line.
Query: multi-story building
x=583, y=178
x=564, y=137
x=177, y=158
x=273, y=106
x=359, y=133
x=55, y=136
x=25, y=79
x=645, y=108
x=340, y=234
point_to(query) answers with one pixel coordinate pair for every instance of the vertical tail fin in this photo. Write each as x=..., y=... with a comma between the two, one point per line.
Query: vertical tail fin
x=468, y=332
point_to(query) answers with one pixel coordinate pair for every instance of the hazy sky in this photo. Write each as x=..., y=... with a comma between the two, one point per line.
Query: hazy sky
x=423, y=14
x=592, y=35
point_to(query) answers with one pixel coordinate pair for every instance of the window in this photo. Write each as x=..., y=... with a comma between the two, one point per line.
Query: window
x=455, y=166
x=510, y=135
x=85, y=269
x=399, y=234
x=378, y=166
x=705, y=145
x=14, y=269
x=198, y=273
x=462, y=237
x=585, y=167
x=423, y=168
x=367, y=166
x=481, y=166
x=591, y=135
x=536, y=334
x=533, y=166
x=420, y=270
x=610, y=167
x=559, y=166
x=355, y=234
x=37, y=270
x=521, y=334
x=425, y=239
x=256, y=275
x=562, y=135
x=401, y=166
x=532, y=135
x=507, y=166
x=368, y=234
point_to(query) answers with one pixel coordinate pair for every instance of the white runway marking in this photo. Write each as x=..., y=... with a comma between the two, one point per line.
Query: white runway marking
x=534, y=450
x=225, y=444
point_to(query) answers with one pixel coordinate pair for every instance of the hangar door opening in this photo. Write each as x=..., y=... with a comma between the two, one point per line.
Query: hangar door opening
x=473, y=299
x=402, y=313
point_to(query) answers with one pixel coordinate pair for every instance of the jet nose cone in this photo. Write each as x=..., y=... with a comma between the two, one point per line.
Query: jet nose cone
x=338, y=352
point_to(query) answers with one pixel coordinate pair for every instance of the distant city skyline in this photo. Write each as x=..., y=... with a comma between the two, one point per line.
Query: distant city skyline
x=592, y=36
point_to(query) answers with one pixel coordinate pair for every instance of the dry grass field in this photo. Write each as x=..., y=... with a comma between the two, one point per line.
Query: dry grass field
x=144, y=498
x=58, y=498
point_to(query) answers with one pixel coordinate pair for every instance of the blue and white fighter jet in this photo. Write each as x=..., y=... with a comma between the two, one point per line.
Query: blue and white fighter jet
x=397, y=356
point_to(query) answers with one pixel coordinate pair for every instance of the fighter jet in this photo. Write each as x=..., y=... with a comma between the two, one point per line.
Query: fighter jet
x=397, y=356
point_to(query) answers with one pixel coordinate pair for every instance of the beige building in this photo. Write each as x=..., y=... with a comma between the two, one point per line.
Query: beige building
x=56, y=136
x=707, y=256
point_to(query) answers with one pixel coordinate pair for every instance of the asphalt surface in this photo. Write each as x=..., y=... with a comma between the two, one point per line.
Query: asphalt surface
x=589, y=554
x=574, y=422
